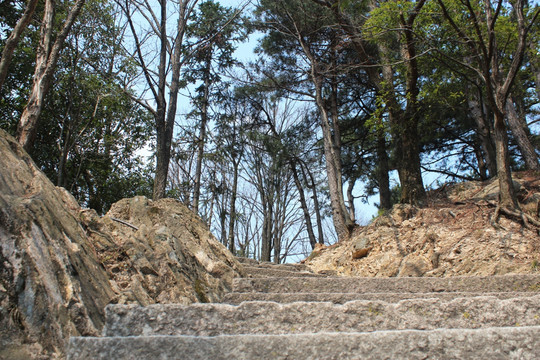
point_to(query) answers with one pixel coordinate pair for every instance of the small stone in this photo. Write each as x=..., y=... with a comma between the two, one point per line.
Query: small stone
x=359, y=254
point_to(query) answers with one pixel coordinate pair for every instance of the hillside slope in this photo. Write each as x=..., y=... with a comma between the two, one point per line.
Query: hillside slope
x=453, y=236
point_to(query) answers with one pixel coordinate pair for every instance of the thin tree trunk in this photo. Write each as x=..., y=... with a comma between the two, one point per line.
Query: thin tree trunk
x=383, y=179
x=521, y=135
x=13, y=39
x=232, y=210
x=303, y=204
x=223, y=212
x=350, y=199
x=165, y=128
x=266, y=236
x=315, y=198
x=332, y=152
x=202, y=138
x=46, y=59
x=162, y=166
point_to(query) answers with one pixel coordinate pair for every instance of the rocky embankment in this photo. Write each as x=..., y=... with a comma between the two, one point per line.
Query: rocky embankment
x=60, y=265
x=452, y=236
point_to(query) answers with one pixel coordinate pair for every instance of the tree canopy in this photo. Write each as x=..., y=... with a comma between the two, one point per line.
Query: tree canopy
x=347, y=99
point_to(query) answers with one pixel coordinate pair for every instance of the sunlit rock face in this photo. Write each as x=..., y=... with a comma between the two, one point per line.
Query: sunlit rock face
x=52, y=284
x=60, y=265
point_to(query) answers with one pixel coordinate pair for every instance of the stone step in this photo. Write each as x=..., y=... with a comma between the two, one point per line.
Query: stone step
x=267, y=264
x=260, y=317
x=265, y=272
x=488, y=343
x=502, y=283
x=235, y=298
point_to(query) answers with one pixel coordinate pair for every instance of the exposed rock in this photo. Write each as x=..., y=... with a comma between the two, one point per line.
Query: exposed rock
x=160, y=252
x=450, y=237
x=361, y=248
x=52, y=284
x=61, y=265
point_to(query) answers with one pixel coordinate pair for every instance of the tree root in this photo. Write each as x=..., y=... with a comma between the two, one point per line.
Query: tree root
x=526, y=219
x=495, y=218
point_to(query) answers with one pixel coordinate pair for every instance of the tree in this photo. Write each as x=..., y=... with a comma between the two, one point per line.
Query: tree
x=390, y=24
x=300, y=34
x=217, y=28
x=13, y=39
x=161, y=73
x=271, y=177
x=90, y=130
x=483, y=46
x=47, y=56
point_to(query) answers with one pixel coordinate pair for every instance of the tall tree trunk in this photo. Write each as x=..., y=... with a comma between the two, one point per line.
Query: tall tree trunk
x=342, y=221
x=507, y=197
x=13, y=39
x=201, y=141
x=483, y=129
x=46, y=59
x=165, y=122
x=404, y=130
x=521, y=134
x=332, y=151
x=412, y=186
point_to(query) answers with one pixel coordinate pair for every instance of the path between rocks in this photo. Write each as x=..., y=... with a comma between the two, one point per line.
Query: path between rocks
x=287, y=312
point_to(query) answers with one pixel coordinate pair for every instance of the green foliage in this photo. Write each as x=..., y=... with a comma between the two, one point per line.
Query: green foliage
x=90, y=129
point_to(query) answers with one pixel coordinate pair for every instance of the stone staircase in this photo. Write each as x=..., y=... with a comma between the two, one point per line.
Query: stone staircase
x=287, y=312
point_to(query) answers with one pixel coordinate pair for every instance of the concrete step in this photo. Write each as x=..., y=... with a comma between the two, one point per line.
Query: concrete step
x=265, y=272
x=271, y=318
x=235, y=298
x=488, y=343
x=503, y=283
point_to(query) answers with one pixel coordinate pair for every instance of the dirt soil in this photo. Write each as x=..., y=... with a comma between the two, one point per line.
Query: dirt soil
x=452, y=236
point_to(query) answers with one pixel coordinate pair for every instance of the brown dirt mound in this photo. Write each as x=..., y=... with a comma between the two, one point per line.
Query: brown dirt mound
x=453, y=236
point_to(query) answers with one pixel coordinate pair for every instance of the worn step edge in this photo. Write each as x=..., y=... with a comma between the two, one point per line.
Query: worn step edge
x=267, y=264
x=236, y=298
x=259, y=317
x=493, y=343
x=500, y=283
x=253, y=271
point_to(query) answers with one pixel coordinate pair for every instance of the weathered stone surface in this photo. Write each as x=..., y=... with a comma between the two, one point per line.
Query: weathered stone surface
x=52, y=285
x=300, y=317
x=254, y=271
x=236, y=298
x=502, y=283
x=160, y=252
x=452, y=236
x=455, y=322
x=491, y=343
x=270, y=265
